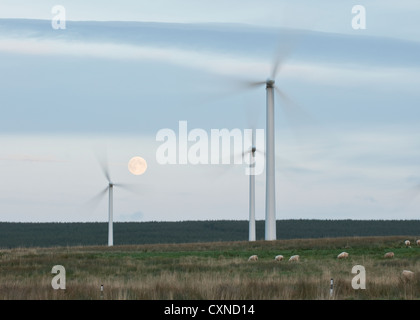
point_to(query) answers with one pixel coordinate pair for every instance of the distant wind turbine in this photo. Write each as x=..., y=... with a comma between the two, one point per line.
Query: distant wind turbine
x=110, y=190
x=251, y=152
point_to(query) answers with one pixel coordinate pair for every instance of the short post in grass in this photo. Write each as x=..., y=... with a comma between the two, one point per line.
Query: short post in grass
x=331, y=287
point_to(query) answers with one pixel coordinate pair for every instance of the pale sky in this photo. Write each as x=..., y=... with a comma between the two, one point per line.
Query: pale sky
x=112, y=86
x=385, y=17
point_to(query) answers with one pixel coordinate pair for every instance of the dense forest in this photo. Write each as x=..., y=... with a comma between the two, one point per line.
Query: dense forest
x=96, y=233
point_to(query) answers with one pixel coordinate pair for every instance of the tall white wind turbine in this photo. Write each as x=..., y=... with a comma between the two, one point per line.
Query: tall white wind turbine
x=270, y=196
x=110, y=190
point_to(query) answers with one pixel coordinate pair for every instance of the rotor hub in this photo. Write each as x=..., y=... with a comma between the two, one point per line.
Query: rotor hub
x=270, y=83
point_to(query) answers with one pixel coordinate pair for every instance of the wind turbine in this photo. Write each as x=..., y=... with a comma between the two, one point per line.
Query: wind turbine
x=110, y=190
x=252, y=193
x=252, y=173
x=251, y=151
x=270, y=198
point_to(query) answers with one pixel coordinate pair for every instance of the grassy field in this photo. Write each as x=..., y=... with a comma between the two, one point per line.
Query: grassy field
x=214, y=271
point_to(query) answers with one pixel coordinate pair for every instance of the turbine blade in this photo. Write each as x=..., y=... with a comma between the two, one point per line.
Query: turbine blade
x=287, y=43
x=232, y=88
x=132, y=187
x=93, y=202
x=282, y=95
x=412, y=193
x=260, y=152
x=105, y=170
x=296, y=114
x=243, y=84
x=232, y=157
x=276, y=68
x=283, y=52
x=246, y=152
x=253, y=113
x=102, y=159
x=418, y=190
x=253, y=84
x=301, y=123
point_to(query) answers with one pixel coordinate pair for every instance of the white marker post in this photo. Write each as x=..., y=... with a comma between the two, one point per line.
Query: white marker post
x=331, y=287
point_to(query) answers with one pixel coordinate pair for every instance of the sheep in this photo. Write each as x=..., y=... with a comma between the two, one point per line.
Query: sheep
x=294, y=258
x=343, y=255
x=389, y=255
x=253, y=258
x=407, y=275
x=279, y=258
x=418, y=242
x=407, y=243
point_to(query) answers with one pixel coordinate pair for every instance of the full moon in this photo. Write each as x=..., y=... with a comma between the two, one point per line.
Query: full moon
x=137, y=165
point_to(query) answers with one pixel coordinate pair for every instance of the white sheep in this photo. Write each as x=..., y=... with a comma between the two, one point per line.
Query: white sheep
x=253, y=258
x=418, y=242
x=343, y=255
x=407, y=243
x=279, y=258
x=294, y=258
x=407, y=275
x=389, y=255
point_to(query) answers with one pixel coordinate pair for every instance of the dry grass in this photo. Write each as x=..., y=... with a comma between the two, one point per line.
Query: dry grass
x=213, y=271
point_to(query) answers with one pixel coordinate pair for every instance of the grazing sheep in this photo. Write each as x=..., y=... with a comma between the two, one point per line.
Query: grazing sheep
x=407, y=243
x=279, y=258
x=418, y=242
x=253, y=258
x=389, y=255
x=343, y=255
x=294, y=258
x=407, y=275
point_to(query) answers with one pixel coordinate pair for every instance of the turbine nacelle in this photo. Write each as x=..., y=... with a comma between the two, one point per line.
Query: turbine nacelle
x=270, y=83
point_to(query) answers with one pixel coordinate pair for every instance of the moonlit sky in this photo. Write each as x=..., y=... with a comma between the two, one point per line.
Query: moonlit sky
x=123, y=70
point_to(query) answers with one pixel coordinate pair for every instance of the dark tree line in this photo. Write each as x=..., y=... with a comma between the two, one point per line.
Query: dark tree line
x=96, y=233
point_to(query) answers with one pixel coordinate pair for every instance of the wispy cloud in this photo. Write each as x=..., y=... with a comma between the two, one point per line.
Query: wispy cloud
x=30, y=158
x=224, y=64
